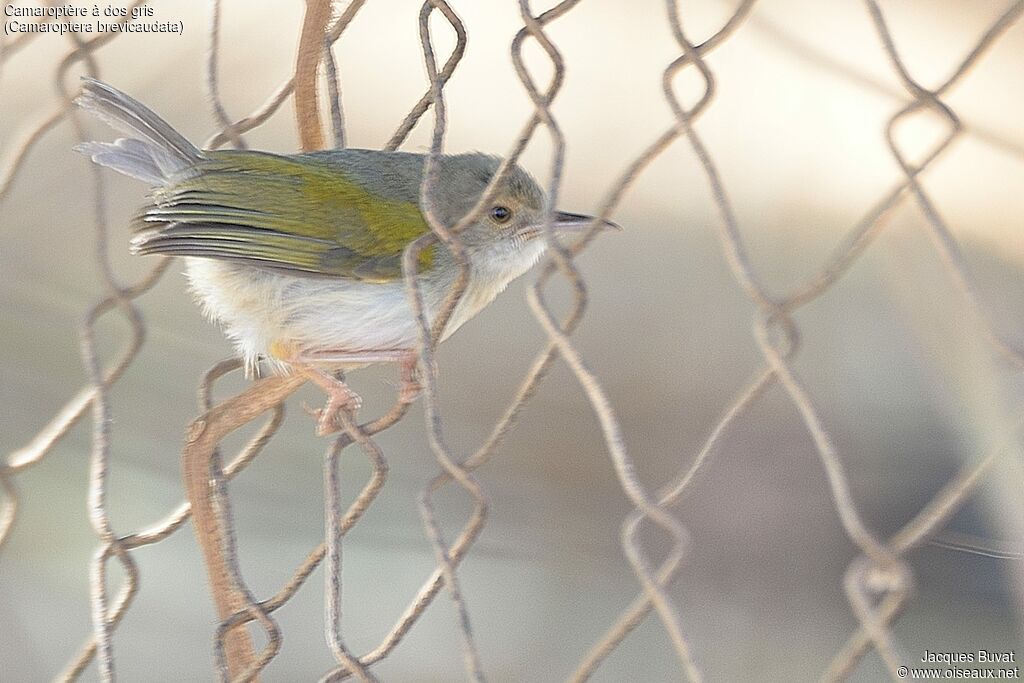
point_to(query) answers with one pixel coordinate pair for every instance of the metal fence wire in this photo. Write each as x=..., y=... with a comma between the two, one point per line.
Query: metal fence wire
x=877, y=582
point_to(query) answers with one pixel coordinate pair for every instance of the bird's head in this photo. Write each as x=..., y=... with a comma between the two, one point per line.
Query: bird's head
x=508, y=235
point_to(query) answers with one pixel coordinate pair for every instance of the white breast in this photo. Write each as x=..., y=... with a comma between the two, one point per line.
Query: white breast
x=257, y=308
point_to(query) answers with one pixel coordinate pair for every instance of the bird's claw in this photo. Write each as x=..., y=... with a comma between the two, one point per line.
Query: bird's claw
x=327, y=422
x=410, y=391
x=411, y=387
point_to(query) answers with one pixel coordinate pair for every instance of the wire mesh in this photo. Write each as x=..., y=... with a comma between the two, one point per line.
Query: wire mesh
x=877, y=582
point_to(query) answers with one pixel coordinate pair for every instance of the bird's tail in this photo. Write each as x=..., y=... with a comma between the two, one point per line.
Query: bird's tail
x=153, y=152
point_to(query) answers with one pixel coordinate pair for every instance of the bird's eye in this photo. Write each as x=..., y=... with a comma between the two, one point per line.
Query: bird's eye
x=501, y=214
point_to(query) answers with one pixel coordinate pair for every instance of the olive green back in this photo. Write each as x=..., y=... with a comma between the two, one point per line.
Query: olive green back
x=311, y=214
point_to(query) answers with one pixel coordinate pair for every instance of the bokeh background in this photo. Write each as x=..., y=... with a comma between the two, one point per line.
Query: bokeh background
x=891, y=355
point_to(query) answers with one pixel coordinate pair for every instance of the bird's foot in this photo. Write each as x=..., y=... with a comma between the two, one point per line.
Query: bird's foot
x=409, y=374
x=339, y=397
x=410, y=391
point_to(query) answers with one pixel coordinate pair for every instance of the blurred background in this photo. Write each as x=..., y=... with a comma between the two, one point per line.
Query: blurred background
x=892, y=356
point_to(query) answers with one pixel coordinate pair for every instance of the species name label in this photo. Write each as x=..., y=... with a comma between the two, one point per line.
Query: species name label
x=86, y=18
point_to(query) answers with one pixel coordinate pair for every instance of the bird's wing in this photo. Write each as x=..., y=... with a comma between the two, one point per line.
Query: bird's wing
x=302, y=217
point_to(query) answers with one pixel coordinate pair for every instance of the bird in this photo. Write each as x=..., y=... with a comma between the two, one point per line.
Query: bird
x=298, y=257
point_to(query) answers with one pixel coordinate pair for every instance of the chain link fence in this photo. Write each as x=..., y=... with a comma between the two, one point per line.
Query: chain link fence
x=877, y=583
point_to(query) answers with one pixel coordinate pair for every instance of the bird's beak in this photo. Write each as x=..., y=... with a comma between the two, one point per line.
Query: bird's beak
x=567, y=223
x=575, y=222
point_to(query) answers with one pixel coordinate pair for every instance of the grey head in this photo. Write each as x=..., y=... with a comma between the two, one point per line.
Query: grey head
x=514, y=213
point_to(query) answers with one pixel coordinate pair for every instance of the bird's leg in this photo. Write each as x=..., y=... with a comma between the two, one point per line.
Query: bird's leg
x=339, y=396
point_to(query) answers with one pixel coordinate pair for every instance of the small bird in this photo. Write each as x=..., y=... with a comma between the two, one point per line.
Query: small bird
x=299, y=257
